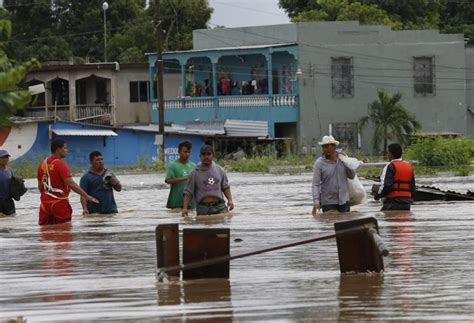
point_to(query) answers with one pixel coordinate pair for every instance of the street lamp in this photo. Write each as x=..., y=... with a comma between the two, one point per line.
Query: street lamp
x=105, y=6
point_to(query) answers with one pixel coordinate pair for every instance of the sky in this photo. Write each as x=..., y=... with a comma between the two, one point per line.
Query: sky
x=239, y=13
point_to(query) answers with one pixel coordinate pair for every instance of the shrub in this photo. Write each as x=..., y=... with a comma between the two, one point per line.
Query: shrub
x=440, y=151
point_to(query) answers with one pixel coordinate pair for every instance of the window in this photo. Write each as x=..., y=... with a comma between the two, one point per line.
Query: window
x=139, y=91
x=342, y=76
x=423, y=70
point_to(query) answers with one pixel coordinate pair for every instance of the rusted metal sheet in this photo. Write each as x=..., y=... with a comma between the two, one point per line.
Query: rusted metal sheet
x=167, y=246
x=357, y=249
x=430, y=193
x=202, y=244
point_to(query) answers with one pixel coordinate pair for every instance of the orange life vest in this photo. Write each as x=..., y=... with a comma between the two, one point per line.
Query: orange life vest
x=401, y=179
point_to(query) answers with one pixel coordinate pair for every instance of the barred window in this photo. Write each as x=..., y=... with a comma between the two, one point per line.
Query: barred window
x=139, y=91
x=342, y=75
x=423, y=70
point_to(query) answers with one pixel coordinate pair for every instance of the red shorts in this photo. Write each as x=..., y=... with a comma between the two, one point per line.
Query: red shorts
x=54, y=212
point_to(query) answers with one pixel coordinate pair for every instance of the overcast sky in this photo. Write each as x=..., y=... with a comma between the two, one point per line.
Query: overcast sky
x=237, y=13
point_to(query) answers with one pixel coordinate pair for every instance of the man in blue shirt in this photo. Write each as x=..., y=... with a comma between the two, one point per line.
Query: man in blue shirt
x=99, y=183
x=7, y=206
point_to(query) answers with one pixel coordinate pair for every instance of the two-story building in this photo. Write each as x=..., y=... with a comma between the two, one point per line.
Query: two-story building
x=307, y=80
x=97, y=93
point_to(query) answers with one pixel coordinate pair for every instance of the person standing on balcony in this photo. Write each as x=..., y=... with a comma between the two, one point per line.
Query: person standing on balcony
x=55, y=183
x=177, y=175
x=330, y=174
x=100, y=183
x=208, y=184
x=7, y=206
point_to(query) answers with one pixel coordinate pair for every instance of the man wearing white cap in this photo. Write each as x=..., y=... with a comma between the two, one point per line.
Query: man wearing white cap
x=330, y=174
x=7, y=206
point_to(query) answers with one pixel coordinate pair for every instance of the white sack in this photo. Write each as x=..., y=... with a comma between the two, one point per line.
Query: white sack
x=356, y=190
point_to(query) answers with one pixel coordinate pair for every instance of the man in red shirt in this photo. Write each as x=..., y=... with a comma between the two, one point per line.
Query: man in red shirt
x=55, y=182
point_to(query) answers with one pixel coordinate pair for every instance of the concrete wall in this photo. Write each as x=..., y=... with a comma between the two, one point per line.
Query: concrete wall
x=470, y=91
x=245, y=36
x=131, y=112
x=30, y=142
x=382, y=59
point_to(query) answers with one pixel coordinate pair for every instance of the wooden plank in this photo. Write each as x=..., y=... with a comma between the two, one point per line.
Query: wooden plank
x=356, y=248
x=203, y=244
x=167, y=246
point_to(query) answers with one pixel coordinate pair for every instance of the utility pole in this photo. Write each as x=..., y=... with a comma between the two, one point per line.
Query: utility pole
x=159, y=79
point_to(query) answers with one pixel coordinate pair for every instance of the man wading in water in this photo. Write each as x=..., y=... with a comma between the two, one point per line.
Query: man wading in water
x=208, y=183
x=55, y=182
x=330, y=174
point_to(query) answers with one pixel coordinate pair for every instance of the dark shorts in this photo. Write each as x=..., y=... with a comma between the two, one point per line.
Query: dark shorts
x=396, y=203
x=215, y=208
x=7, y=206
x=338, y=207
x=396, y=206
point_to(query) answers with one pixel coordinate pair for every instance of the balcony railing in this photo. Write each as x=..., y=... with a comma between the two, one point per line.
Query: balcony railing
x=286, y=100
x=102, y=114
x=60, y=111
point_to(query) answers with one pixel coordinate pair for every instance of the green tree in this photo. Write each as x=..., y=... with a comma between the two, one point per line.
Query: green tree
x=400, y=14
x=343, y=10
x=12, y=98
x=63, y=29
x=390, y=119
x=457, y=17
x=295, y=7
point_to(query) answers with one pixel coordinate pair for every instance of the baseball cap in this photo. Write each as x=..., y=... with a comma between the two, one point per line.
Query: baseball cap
x=207, y=149
x=4, y=153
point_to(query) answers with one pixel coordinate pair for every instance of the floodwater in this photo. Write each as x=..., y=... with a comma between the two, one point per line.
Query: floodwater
x=104, y=267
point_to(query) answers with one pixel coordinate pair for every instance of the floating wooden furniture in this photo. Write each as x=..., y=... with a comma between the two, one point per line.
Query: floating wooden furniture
x=206, y=252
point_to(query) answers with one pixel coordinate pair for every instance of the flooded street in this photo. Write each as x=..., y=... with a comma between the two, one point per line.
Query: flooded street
x=104, y=267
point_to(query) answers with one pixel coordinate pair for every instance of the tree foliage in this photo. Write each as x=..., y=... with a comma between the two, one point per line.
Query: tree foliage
x=439, y=151
x=391, y=121
x=12, y=98
x=61, y=30
x=447, y=16
x=343, y=10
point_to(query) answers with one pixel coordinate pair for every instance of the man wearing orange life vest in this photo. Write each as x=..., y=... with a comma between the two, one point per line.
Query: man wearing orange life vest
x=397, y=181
x=55, y=182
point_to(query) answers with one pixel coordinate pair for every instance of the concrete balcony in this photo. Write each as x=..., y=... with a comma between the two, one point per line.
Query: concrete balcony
x=60, y=111
x=274, y=108
x=101, y=114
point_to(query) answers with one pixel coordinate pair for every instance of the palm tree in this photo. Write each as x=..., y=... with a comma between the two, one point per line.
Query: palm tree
x=390, y=119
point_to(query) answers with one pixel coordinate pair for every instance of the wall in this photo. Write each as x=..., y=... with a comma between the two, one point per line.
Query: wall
x=470, y=91
x=383, y=59
x=245, y=36
x=129, y=148
x=131, y=112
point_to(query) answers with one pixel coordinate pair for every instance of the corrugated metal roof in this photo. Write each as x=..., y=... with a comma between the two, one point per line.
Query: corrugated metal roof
x=246, y=128
x=85, y=132
x=228, y=128
x=206, y=129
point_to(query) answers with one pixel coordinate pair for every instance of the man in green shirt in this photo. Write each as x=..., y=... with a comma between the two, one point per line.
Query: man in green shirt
x=177, y=176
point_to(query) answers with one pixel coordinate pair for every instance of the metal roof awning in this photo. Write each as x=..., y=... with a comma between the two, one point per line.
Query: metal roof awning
x=85, y=132
x=246, y=128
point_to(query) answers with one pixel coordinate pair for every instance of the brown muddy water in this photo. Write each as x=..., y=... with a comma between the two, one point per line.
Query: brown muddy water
x=103, y=268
